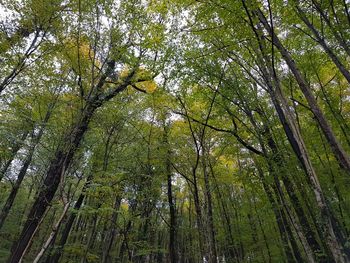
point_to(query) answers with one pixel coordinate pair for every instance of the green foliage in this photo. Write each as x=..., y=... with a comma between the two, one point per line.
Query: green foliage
x=204, y=131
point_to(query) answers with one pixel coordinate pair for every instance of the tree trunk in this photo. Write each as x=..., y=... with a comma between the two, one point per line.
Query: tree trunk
x=58, y=165
x=294, y=135
x=199, y=219
x=172, y=209
x=211, y=228
x=91, y=238
x=307, y=232
x=280, y=218
x=234, y=252
x=54, y=258
x=338, y=151
x=112, y=233
x=52, y=234
x=14, y=151
x=62, y=159
x=11, y=198
x=263, y=232
x=23, y=171
x=337, y=34
x=299, y=148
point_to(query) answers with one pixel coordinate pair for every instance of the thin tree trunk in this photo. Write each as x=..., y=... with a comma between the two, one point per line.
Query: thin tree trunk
x=90, y=240
x=59, y=164
x=323, y=43
x=294, y=135
x=211, y=229
x=23, y=171
x=234, y=252
x=52, y=234
x=106, y=258
x=125, y=245
x=54, y=258
x=280, y=218
x=172, y=209
x=253, y=226
x=61, y=161
x=309, y=244
x=199, y=219
x=307, y=232
x=337, y=35
x=11, y=198
x=263, y=232
x=13, y=153
x=338, y=151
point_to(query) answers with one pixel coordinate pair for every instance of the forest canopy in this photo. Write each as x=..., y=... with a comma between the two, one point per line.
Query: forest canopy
x=173, y=131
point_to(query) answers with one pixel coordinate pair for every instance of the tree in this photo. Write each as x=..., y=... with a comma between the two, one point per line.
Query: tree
x=174, y=131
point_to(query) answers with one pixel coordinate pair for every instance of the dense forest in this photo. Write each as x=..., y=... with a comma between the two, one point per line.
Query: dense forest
x=175, y=131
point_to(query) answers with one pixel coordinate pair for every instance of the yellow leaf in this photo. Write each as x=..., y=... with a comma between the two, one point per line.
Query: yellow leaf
x=124, y=73
x=148, y=86
x=124, y=206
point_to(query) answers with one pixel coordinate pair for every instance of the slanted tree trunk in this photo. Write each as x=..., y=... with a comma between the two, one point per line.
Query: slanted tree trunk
x=282, y=224
x=323, y=43
x=343, y=42
x=61, y=161
x=305, y=231
x=292, y=130
x=16, y=147
x=91, y=238
x=299, y=148
x=35, y=140
x=19, y=66
x=54, y=258
x=11, y=198
x=59, y=164
x=52, y=234
x=338, y=151
x=106, y=258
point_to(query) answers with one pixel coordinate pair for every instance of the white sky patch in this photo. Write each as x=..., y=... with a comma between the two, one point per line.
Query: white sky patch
x=5, y=13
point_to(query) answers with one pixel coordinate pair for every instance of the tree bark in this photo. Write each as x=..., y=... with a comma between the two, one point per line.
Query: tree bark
x=54, y=258
x=59, y=164
x=91, y=238
x=23, y=171
x=52, y=234
x=16, y=147
x=172, y=209
x=293, y=133
x=61, y=161
x=211, y=228
x=338, y=151
x=337, y=34
x=323, y=43
x=106, y=258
